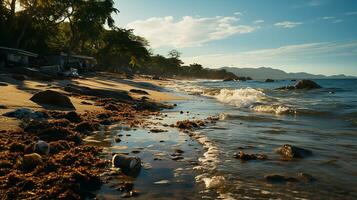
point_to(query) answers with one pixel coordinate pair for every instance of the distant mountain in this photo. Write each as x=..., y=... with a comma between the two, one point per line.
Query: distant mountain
x=263, y=73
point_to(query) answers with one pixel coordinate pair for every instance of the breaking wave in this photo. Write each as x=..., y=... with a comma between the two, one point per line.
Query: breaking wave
x=241, y=98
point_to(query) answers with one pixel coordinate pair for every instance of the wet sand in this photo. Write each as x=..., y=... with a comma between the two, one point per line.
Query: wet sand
x=73, y=167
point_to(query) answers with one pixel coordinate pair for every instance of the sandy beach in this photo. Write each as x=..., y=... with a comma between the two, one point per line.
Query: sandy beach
x=99, y=101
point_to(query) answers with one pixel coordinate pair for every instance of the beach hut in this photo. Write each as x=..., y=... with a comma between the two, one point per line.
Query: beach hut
x=80, y=62
x=10, y=57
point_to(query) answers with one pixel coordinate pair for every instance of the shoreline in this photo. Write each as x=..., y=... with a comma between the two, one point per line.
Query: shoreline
x=64, y=131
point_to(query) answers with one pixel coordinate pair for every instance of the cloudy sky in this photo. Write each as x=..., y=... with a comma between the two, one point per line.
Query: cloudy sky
x=316, y=36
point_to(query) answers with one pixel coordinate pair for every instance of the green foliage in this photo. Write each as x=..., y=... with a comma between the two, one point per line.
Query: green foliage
x=87, y=27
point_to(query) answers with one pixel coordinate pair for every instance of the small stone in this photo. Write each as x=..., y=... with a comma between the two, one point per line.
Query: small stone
x=276, y=178
x=117, y=139
x=290, y=152
x=306, y=177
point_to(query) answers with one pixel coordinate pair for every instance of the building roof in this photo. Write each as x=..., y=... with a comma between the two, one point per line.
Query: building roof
x=18, y=51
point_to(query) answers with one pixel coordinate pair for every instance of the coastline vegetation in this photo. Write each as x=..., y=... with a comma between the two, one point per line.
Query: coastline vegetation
x=87, y=28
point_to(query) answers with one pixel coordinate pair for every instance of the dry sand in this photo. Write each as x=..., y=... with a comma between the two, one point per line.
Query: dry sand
x=17, y=94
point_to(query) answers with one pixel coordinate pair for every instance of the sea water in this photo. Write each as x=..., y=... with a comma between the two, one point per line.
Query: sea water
x=257, y=118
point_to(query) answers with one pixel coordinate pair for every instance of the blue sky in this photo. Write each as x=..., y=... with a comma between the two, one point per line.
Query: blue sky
x=316, y=36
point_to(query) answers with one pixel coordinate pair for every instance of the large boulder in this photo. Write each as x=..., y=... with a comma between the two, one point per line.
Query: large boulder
x=306, y=84
x=289, y=152
x=53, y=98
x=302, y=84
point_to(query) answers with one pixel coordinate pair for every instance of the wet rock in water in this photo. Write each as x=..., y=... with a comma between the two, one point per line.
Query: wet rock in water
x=290, y=152
x=73, y=117
x=142, y=92
x=157, y=130
x=30, y=161
x=307, y=84
x=3, y=106
x=243, y=156
x=18, y=77
x=161, y=141
x=302, y=84
x=276, y=178
x=117, y=139
x=52, y=98
x=181, y=112
x=42, y=147
x=269, y=80
x=126, y=163
x=179, y=151
x=135, y=151
x=306, y=177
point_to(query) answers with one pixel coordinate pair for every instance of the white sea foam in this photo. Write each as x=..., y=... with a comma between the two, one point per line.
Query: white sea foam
x=214, y=182
x=241, y=98
x=276, y=109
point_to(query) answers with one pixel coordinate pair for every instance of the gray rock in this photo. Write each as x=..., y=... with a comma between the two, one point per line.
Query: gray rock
x=276, y=178
x=307, y=84
x=288, y=151
x=52, y=98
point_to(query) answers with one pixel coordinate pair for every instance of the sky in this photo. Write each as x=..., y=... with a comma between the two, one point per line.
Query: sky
x=314, y=36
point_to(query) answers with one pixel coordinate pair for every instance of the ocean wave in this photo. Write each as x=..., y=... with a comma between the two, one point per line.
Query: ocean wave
x=275, y=109
x=241, y=98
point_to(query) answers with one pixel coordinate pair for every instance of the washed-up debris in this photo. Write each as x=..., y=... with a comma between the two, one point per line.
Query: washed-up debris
x=126, y=163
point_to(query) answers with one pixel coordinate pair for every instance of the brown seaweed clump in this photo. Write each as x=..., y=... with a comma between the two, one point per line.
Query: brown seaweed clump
x=187, y=124
x=69, y=171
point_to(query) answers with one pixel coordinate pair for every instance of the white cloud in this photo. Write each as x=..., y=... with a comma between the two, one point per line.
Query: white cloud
x=314, y=3
x=285, y=55
x=351, y=13
x=287, y=24
x=328, y=18
x=337, y=21
x=258, y=21
x=188, y=31
x=238, y=13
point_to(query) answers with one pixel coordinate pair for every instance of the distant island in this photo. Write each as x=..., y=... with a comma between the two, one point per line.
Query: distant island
x=263, y=73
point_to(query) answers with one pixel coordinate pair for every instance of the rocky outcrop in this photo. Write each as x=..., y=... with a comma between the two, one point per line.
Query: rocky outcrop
x=269, y=80
x=53, y=98
x=245, y=157
x=289, y=152
x=142, y=92
x=302, y=84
